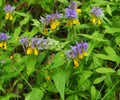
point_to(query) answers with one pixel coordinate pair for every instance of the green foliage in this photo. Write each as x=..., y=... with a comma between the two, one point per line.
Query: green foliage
x=42, y=70
x=59, y=80
x=36, y=94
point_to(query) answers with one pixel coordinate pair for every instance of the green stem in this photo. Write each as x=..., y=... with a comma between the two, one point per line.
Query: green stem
x=22, y=77
x=111, y=90
x=104, y=85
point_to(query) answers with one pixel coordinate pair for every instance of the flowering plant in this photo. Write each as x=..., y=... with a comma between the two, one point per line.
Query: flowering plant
x=59, y=50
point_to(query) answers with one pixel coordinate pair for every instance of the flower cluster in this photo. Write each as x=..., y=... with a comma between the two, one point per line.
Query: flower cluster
x=77, y=52
x=51, y=20
x=71, y=14
x=3, y=39
x=35, y=44
x=96, y=13
x=8, y=10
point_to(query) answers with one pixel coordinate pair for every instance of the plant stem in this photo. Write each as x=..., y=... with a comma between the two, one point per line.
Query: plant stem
x=22, y=77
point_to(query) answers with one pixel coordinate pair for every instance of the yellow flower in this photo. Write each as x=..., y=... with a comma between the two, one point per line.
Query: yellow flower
x=3, y=45
x=29, y=51
x=80, y=56
x=76, y=21
x=35, y=51
x=8, y=16
x=73, y=22
x=76, y=62
x=84, y=53
x=99, y=21
x=78, y=10
x=54, y=25
x=11, y=18
x=93, y=20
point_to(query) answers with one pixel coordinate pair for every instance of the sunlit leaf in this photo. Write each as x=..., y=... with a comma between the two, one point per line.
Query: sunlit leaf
x=35, y=94
x=105, y=70
x=93, y=92
x=30, y=63
x=59, y=79
x=109, y=10
x=99, y=79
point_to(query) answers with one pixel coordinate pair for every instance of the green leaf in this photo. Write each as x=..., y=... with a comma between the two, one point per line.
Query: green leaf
x=76, y=97
x=2, y=89
x=47, y=5
x=17, y=32
x=30, y=62
x=63, y=1
x=36, y=22
x=24, y=21
x=30, y=34
x=58, y=60
x=112, y=54
x=118, y=72
x=21, y=14
x=70, y=97
x=8, y=76
x=109, y=81
x=85, y=75
x=9, y=96
x=1, y=2
x=102, y=56
x=111, y=30
x=105, y=70
x=90, y=48
x=107, y=57
x=59, y=79
x=35, y=94
x=99, y=79
x=93, y=93
x=41, y=57
x=96, y=36
x=117, y=39
x=33, y=32
x=109, y=10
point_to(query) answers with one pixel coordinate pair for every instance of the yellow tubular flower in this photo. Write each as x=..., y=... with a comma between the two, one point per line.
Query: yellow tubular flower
x=78, y=10
x=54, y=25
x=93, y=20
x=29, y=51
x=76, y=62
x=7, y=15
x=85, y=53
x=57, y=23
x=80, y=56
x=99, y=21
x=5, y=45
x=1, y=44
x=11, y=18
x=76, y=21
x=35, y=51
